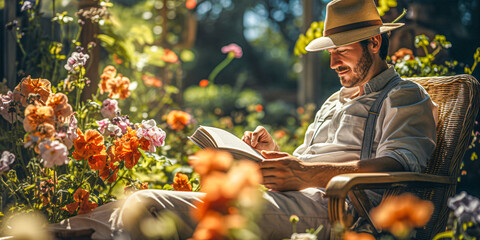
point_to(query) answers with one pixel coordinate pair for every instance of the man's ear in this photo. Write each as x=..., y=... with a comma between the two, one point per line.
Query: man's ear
x=376, y=43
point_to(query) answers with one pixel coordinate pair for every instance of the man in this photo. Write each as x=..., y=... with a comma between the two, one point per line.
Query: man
x=403, y=140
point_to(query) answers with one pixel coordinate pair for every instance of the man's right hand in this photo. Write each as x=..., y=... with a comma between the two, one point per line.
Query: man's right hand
x=260, y=139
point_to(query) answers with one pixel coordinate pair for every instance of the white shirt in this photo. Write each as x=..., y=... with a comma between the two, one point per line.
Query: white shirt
x=405, y=128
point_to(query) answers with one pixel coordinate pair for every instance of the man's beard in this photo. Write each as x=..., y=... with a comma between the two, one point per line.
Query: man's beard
x=359, y=72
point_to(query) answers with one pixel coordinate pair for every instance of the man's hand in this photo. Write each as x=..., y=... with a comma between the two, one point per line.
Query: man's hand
x=283, y=172
x=260, y=139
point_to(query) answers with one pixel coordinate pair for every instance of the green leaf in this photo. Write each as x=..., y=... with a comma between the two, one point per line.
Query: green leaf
x=110, y=41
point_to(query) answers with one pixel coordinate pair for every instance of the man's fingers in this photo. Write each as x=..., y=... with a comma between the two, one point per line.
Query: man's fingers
x=257, y=135
x=247, y=137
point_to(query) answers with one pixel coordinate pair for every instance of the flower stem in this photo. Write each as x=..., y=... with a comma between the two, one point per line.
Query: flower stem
x=220, y=67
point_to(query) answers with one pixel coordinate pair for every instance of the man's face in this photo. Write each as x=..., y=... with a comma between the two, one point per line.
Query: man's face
x=351, y=62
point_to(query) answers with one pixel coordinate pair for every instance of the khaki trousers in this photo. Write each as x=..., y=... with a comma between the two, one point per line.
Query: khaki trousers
x=124, y=219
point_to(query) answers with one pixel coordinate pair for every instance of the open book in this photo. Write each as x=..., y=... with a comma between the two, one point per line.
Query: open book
x=212, y=137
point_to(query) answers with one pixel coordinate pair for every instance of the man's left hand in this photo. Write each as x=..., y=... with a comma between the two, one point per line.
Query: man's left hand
x=283, y=172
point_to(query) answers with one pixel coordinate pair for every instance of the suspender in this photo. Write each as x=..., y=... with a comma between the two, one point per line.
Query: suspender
x=369, y=133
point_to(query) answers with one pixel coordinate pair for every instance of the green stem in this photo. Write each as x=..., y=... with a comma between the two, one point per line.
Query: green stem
x=401, y=16
x=115, y=183
x=425, y=50
x=448, y=234
x=220, y=67
x=474, y=65
x=54, y=217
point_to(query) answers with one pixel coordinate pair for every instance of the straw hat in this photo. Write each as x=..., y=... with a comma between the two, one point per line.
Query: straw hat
x=350, y=21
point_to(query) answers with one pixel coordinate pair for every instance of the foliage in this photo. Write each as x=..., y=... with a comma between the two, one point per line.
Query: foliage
x=64, y=156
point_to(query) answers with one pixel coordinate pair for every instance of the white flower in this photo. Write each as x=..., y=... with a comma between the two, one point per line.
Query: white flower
x=53, y=153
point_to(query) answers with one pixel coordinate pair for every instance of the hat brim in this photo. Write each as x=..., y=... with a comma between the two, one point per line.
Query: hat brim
x=348, y=37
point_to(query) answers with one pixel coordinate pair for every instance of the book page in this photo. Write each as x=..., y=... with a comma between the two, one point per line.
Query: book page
x=225, y=139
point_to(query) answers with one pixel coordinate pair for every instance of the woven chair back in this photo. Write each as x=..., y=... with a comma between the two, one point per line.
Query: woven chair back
x=458, y=102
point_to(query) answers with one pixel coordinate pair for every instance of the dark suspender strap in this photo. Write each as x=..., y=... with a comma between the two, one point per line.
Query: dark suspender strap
x=369, y=134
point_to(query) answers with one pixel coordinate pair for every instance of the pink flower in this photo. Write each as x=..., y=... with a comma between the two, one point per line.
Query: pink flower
x=102, y=125
x=232, y=47
x=122, y=122
x=109, y=109
x=5, y=161
x=53, y=153
x=70, y=133
x=153, y=134
x=5, y=101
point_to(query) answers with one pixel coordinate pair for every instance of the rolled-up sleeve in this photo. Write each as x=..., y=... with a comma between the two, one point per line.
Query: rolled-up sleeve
x=408, y=128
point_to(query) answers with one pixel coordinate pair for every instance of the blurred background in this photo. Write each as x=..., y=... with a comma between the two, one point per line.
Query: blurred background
x=167, y=47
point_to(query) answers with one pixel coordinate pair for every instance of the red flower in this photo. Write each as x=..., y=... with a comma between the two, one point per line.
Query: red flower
x=82, y=203
x=169, y=56
x=190, y=4
x=203, y=83
x=92, y=143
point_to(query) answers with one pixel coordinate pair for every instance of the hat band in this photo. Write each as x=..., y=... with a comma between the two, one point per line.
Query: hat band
x=353, y=26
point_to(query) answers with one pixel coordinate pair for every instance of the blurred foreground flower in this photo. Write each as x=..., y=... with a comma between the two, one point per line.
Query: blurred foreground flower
x=401, y=214
x=27, y=226
x=228, y=194
x=357, y=236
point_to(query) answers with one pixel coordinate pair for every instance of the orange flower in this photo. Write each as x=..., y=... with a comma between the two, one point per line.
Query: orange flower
x=118, y=87
x=109, y=72
x=117, y=59
x=206, y=161
x=152, y=81
x=357, y=236
x=258, y=108
x=169, y=56
x=107, y=170
x=402, y=53
x=178, y=120
x=401, y=214
x=212, y=226
x=144, y=144
x=36, y=115
x=190, y=4
x=203, y=83
x=82, y=203
x=180, y=183
x=300, y=110
x=98, y=161
x=126, y=148
x=28, y=86
x=279, y=134
x=88, y=145
x=59, y=103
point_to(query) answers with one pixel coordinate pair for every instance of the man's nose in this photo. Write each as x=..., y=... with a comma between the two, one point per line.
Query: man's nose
x=334, y=61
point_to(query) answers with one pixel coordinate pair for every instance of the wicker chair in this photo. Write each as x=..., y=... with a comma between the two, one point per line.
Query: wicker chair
x=458, y=100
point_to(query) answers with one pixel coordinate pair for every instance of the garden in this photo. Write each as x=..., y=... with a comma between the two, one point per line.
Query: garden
x=98, y=99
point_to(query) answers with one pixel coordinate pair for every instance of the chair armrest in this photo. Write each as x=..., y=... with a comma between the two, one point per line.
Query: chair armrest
x=339, y=187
